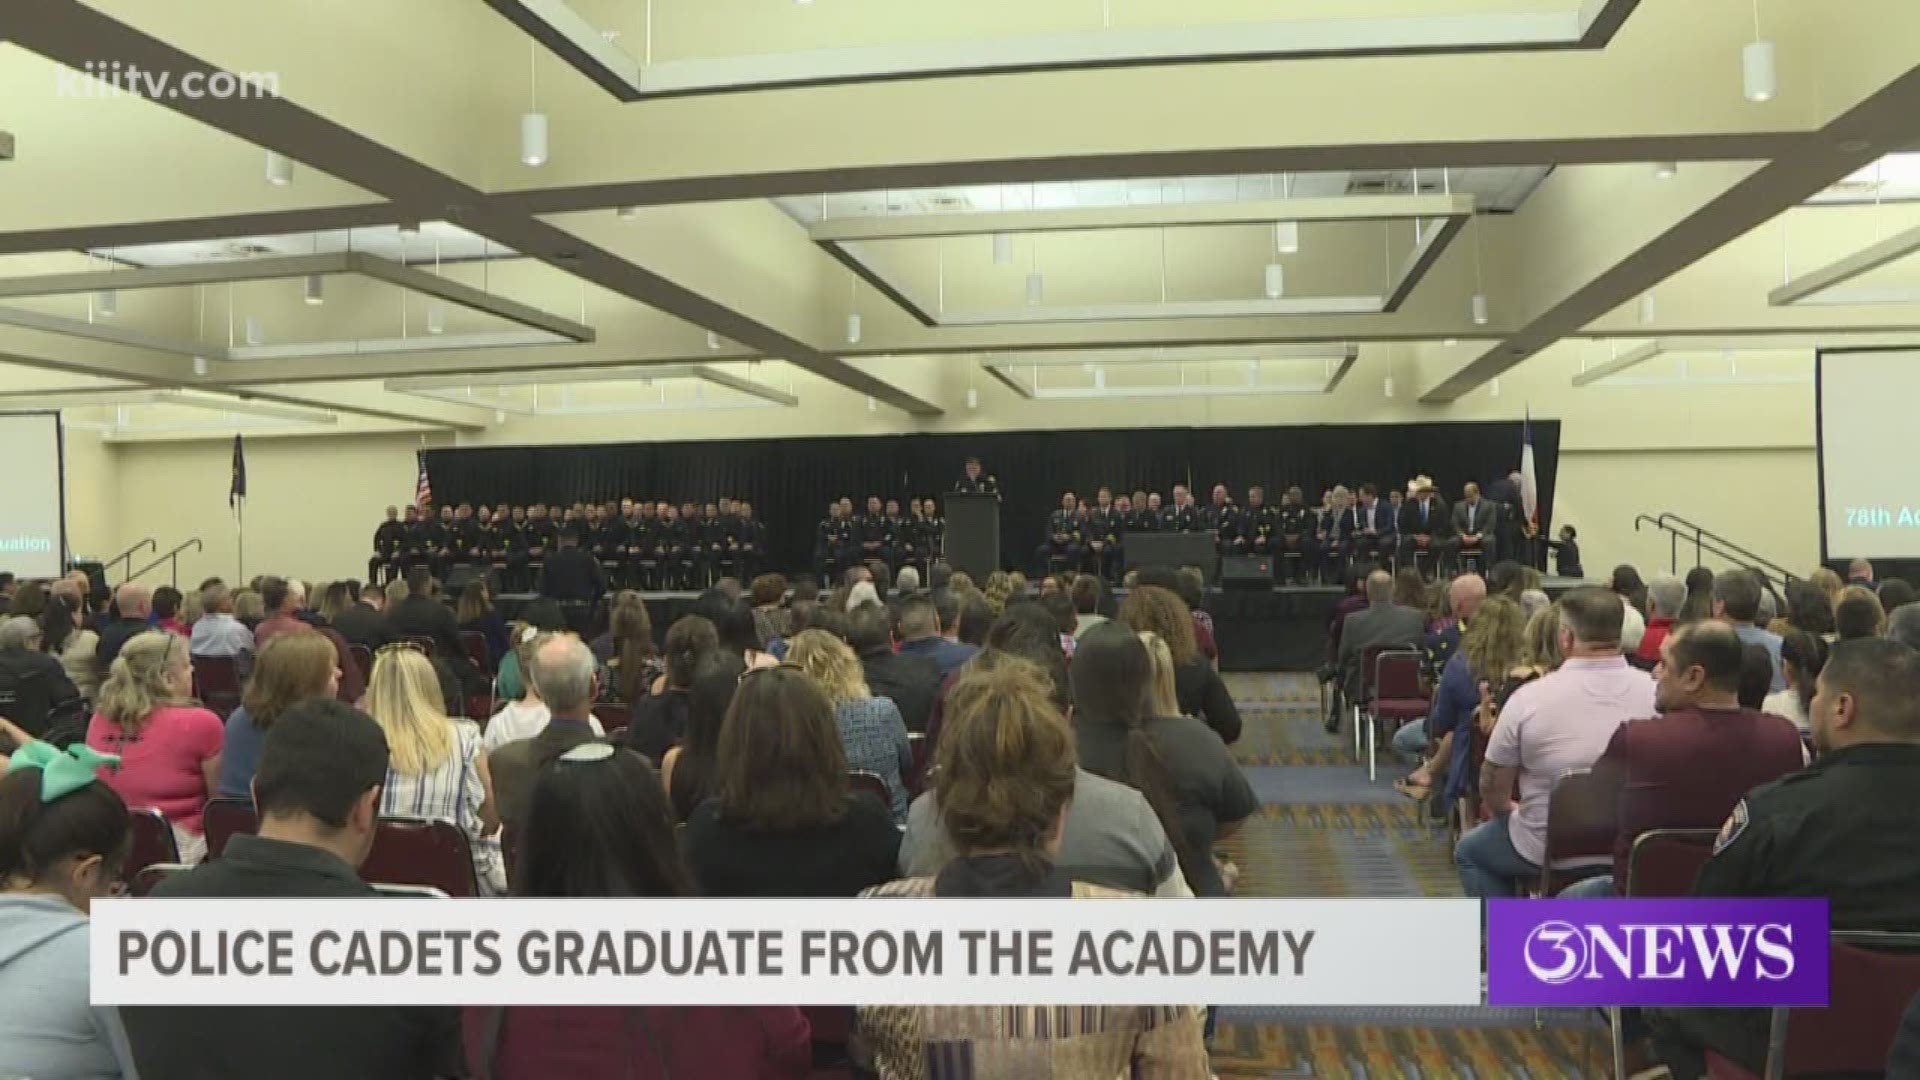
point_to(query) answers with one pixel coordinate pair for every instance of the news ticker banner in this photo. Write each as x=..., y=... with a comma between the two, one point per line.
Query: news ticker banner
x=956, y=952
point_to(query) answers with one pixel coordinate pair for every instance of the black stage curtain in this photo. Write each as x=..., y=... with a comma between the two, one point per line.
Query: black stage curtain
x=790, y=481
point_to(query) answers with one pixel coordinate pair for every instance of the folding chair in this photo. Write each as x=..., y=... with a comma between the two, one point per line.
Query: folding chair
x=424, y=641
x=1369, y=665
x=147, y=878
x=216, y=682
x=362, y=659
x=613, y=718
x=416, y=892
x=1662, y=862
x=859, y=780
x=152, y=843
x=1873, y=974
x=225, y=818
x=1583, y=817
x=475, y=644
x=421, y=851
x=922, y=757
x=1397, y=696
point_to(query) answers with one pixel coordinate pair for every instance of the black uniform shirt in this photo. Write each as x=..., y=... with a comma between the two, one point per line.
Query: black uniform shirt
x=1180, y=518
x=986, y=485
x=1222, y=521
x=390, y=537
x=876, y=529
x=1063, y=522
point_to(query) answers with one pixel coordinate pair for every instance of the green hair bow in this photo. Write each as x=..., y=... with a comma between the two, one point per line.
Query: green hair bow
x=62, y=772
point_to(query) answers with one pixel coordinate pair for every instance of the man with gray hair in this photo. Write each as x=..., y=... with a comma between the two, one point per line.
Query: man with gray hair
x=132, y=603
x=216, y=632
x=1382, y=622
x=907, y=582
x=564, y=674
x=1903, y=625
x=40, y=693
x=1666, y=595
x=1736, y=600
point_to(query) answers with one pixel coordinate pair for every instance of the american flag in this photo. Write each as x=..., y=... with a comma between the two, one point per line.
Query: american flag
x=423, y=491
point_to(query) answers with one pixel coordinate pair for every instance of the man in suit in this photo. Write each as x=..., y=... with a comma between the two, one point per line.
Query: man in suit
x=388, y=540
x=1423, y=524
x=423, y=614
x=1182, y=516
x=1474, y=523
x=572, y=573
x=912, y=681
x=1512, y=530
x=1366, y=528
x=1381, y=622
x=362, y=623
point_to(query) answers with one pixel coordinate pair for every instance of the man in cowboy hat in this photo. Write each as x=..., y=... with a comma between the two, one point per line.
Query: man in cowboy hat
x=1423, y=523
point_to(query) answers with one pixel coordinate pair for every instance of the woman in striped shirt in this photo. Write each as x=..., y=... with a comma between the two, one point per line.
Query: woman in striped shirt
x=436, y=766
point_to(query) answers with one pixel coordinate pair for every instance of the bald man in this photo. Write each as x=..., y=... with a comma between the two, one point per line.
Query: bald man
x=132, y=606
x=1464, y=597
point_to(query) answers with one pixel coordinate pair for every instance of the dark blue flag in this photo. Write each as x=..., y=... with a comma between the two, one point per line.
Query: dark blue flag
x=239, y=488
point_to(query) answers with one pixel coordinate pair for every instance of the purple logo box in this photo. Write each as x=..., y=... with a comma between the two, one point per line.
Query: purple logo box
x=1657, y=952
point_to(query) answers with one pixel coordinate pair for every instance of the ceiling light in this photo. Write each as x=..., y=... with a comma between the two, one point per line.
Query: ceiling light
x=1665, y=170
x=1276, y=281
x=1479, y=309
x=713, y=340
x=1495, y=389
x=872, y=405
x=316, y=290
x=1099, y=378
x=1451, y=342
x=1387, y=386
x=199, y=365
x=279, y=169
x=1286, y=237
x=499, y=416
x=436, y=318
x=973, y=398
x=1646, y=308
x=253, y=336
x=107, y=302
x=533, y=139
x=1002, y=249
x=1036, y=289
x=1760, y=80
x=853, y=329
x=627, y=213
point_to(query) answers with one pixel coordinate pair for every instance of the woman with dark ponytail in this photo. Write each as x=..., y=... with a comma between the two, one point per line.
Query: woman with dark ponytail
x=63, y=841
x=1177, y=762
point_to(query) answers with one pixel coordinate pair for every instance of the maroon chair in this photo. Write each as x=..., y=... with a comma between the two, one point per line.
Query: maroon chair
x=1583, y=816
x=424, y=642
x=1666, y=862
x=362, y=659
x=226, y=818
x=859, y=780
x=1873, y=975
x=1398, y=697
x=152, y=842
x=475, y=643
x=147, y=878
x=1360, y=706
x=421, y=851
x=613, y=717
x=216, y=682
x=922, y=758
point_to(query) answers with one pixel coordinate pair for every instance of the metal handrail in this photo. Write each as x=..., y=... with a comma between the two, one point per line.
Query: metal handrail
x=173, y=559
x=1700, y=531
x=1707, y=542
x=126, y=556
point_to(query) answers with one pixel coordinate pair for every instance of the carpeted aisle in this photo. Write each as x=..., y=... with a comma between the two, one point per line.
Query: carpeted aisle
x=1324, y=830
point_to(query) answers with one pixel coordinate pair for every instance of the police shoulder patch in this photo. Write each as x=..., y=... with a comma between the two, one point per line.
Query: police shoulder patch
x=1736, y=824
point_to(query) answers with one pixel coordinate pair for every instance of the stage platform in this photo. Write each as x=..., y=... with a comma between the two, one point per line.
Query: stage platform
x=1279, y=629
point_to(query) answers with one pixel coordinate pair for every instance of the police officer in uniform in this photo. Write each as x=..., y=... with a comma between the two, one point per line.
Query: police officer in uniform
x=933, y=530
x=1843, y=828
x=1063, y=535
x=826, y=543
x=1297, y=525
x=388, y=541
x=876, y=533
x=1106, y=524
x=647, y=544
x=464, y=542
x=610, y=546
x=1258, y=524
x=975, y=482
x=900, y=529
x=1222, y=519
x=677, y=544
x=1182, y=516
x=541, y=536
x=1148, y=515
x=753, y=539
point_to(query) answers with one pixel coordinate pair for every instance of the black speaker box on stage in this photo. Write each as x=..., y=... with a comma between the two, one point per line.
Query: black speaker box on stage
x=1246, y=572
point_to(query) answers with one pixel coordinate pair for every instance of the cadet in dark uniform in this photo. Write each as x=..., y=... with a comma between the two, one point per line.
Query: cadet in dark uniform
x=933, y=530
x=1063, y=536
x=753, y=539
x=464, y=546
x=900, y=529
x=1182, y=516
x=437, y=533
x=1297, y=526
x=1105, y=526
x=876, y=533
x=1222, y=519
x=1118, y=526
x=826, y=543
x=388, y=541
x=489, y=543
x=677, y=544
x=715, y=534
x=610, y=538
x=541, y=536
x=1843, y=829
x=1258, y=524
x=648, y=544
x=1151, y=516
x=974, y=482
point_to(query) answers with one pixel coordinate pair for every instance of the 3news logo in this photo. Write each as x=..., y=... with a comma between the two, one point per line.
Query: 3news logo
x=1657, y=952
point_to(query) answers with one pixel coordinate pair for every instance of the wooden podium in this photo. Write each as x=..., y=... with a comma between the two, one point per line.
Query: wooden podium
x=973, y=534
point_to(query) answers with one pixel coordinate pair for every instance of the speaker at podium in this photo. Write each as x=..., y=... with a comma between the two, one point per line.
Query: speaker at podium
x=973, y=533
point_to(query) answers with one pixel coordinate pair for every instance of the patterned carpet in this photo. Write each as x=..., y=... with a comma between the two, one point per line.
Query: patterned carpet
x=1324, y=830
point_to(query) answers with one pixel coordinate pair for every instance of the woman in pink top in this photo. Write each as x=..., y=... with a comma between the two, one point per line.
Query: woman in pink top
x=169, y=747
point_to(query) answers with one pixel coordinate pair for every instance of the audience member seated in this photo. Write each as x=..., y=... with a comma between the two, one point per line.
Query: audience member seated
x=768, y=593
x=22, y=661
x=922, y=638
x=67, y=639
x=1465, y=594
x=659, y=720
x=1383, y=623
x=475, y=614
x=1802, y=655
x=1860, y=572
x=873, y=736
x=632, y=659
x=318, y=795
x=1557, y=723
x=218, y=633
x=283, y=600
x=538, y=617
x=1736, y=600
x=292, y=668
x=734, y=625
x=1491, y=651
x=1903, y=626
x=422, y=614
x=363, y=622
x=527, y=715
x=688, y=768
x=166, y=611
x=1626, y=584
x=563, y=671
x=1088, y=593
x=169, y=748
x=1756, y=676
x=1859, y=614
x=64, y=838
x=571, y=574
x=783, y=820
x=975, y=619
x=1841, y=829
x=132, y=603
x=1202, y=692
x=1699, y=603
x=29, y=600
x=436, y=766
x=597, y=828
x=249, y=609
x=1687, y=767
x=1666, y=595
x=909, y=681
x=1007, y=776
x=1178, y=763
x=1895, y=593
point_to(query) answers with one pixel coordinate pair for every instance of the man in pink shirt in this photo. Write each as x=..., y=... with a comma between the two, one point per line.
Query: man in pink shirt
x=282, y=599
x=1559, y=722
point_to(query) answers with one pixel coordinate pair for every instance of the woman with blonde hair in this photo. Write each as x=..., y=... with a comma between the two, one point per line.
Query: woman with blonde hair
x=249, y=608
x=436, y=767
x=1007, y=768
x=1492, y=646
x=1160, y=690
x=1828, y=582
x=997, y=590
x=871, y=729
x=290, y=669
x=169, y=746
x=1201, y=692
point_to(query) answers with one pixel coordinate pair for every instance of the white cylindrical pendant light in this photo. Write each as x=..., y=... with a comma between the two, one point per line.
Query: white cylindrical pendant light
x=872, y=405
x=199, y=365
x=107, y=303
x=1386, y=387
x=1665, y=170
x=1276, y=281
x=1495, y=389
x=713, y=341
x=1760, y=79
x=436, y=318
x=627, y=213
x=1646, y=308
x=1099, y=378
x=853, y=329
x=316, y=290
x=253, y=335
x=1286, y=237
x=1036, y=289
x=499, y=416
x=973, y=398
x=533, y=139
x=279, y=169
x=1480, y=309
x=1002, y=249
